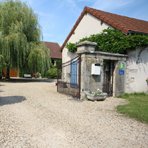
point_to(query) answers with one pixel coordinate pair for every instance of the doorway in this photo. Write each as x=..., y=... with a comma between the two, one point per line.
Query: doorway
x=108, y=70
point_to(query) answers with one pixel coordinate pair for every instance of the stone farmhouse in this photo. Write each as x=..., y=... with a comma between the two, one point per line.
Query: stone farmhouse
x=112, y=73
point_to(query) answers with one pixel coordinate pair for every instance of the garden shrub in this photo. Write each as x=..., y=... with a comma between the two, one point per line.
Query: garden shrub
x=52, y=73
x=38, y=75
x=71, y=47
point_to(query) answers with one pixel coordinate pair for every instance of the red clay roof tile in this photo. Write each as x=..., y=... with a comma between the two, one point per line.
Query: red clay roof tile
x=122, y=23
x=55, y=51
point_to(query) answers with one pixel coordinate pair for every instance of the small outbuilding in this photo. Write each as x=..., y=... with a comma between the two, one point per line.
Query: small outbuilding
x=88, y=70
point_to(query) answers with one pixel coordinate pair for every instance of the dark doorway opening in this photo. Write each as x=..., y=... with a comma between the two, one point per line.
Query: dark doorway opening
x=108, y=68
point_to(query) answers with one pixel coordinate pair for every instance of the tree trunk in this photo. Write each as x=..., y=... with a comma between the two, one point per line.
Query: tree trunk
x=8, y=72
x=1, y=74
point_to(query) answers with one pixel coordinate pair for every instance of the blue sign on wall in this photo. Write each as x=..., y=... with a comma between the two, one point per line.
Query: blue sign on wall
x=121, y=72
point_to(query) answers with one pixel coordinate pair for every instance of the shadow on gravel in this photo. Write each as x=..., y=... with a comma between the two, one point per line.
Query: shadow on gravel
x=26, y=80
x=8, y=100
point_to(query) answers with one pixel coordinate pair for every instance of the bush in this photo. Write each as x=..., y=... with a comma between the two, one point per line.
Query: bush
x=52, y=72
x=38, y=75
x=71, y=47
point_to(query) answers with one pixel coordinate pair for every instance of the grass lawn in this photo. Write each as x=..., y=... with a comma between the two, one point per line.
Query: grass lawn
x=137, y=107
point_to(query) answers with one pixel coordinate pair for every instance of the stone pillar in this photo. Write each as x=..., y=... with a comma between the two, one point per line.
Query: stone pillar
x=84, y=48
x=119, y=78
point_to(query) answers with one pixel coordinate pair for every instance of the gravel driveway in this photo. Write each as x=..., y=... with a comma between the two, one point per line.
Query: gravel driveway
x=34, y=115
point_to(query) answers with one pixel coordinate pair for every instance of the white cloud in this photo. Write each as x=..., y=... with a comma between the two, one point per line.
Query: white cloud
x=48, y=35
x=69, y=4
x=34, y=3
x=110, y=4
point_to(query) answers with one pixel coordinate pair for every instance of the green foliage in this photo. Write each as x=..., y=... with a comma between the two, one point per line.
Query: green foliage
x=137, y=41
x=38, y=59
x=38, y=75
x=58, y=63
x=2, y=63
x=52, y=72
x=71, y=47
x=111, y=40
x=20, y=35
x=137, y=107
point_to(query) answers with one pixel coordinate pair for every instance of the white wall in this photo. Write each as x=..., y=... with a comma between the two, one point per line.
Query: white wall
x=137, y=71
x=89, y=25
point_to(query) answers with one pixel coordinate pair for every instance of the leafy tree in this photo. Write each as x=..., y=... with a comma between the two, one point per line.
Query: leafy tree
x=19, y=34
x=38, y=59
x=2, y=63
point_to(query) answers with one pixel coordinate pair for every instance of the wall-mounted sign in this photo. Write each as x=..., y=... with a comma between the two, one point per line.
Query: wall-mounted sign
x=121, y=72
x=122, y=65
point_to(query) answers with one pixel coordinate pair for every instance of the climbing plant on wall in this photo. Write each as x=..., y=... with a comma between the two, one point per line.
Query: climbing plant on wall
x=112, y=40
x=71, y=47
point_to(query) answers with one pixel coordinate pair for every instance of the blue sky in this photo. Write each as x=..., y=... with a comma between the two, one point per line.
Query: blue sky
x=57, y=17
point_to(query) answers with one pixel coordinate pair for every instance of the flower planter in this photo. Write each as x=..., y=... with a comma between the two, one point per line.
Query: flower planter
x=95, y=97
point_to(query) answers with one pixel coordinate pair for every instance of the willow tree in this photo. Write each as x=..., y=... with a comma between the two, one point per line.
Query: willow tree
x=19, y=32
x=38, y=61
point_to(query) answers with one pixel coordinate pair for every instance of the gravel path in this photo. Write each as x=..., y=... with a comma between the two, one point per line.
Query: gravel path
x=34, y=115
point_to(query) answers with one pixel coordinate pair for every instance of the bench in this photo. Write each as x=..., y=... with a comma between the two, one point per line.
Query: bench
x=27, y=76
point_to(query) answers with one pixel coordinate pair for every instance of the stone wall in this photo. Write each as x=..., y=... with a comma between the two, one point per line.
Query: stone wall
x=88, y=81
x=119, y=78
x=93, y=82
x=129, y=75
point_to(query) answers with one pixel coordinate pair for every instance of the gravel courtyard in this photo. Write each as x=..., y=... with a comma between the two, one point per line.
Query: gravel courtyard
x=34, y=115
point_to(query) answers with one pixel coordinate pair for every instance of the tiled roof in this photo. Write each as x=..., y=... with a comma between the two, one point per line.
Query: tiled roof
x=123, y=23
x=55, y=51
